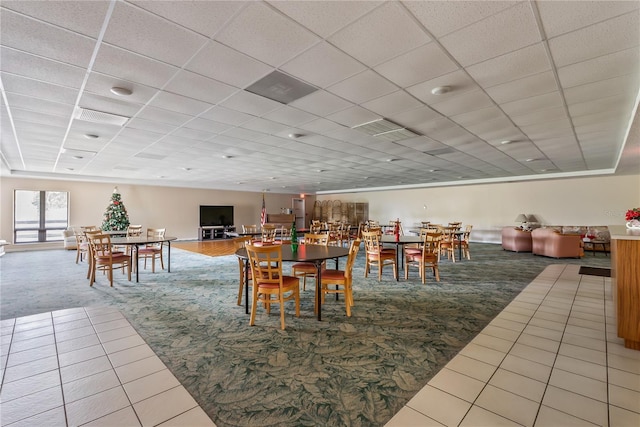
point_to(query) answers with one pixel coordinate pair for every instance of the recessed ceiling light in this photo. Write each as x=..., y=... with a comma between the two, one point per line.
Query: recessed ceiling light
x=78, y=157
x=391, y=160
x=186, y=169
x=320, y=170
x=295, y=135
x=440, y=90
x=366, y=177
x=272, y=177
x=70, y=169
x=239, y=182
x=91, y=136
x=161, y=176
x=121, y=91
x=226, y=156
x=506, y=141
x=530, y=160
x=433, y=170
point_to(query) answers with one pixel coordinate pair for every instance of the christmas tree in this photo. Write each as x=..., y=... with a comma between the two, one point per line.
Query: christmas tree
x=115, y=217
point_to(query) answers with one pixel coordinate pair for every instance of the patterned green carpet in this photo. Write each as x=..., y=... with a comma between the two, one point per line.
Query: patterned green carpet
x=356, y=371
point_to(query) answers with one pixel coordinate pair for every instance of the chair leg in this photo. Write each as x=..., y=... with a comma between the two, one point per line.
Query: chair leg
x=254, y=306
x=281, y=298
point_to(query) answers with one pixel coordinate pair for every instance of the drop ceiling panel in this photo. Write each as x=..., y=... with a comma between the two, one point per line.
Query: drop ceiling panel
x=134, y=29
x=490, y=38
x=311, y=65
x=48, y=41
x=188, y=65
x=130, y=66
x=511, y=66
x=198, y=87
x=597, y=40
x=266, y=35
x=382, y=34
x=363, y=87
x=424, y=63
x=226, y=65
x=42, y=69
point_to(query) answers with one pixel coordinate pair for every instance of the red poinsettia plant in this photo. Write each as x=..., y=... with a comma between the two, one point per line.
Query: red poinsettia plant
x=632, y=214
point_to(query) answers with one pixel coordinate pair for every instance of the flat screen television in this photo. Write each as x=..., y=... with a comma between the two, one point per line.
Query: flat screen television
x=216, y=215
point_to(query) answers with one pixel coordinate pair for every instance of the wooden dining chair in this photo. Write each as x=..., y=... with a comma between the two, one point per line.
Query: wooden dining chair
x=427, y=257
x=266, y=269
x=249, y=228
x=239, y=243
x=448, y=242
x=342, y=279
x=105, y=259
x=87, y=238
x=377, y=255
x=306, y=270
x=153, y=250
x=463, y=243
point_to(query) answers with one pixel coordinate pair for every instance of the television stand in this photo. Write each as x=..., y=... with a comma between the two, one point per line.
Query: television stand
x=211, y=232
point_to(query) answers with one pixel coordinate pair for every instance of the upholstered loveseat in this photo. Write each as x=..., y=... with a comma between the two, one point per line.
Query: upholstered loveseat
x=552, y=243
x=516, y=239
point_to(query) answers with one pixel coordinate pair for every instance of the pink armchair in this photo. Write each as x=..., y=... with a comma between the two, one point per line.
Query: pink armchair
x=515, y=239
x=548, y=242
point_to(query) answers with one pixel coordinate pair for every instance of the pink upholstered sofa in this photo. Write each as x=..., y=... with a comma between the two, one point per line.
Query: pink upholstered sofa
x=517, y=240
x=552, y=243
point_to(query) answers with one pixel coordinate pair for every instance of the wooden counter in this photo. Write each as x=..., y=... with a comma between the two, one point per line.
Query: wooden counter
x=625, y=282
x=281, y=219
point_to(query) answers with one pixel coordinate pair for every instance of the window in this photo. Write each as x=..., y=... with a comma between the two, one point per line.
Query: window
x=40, y=216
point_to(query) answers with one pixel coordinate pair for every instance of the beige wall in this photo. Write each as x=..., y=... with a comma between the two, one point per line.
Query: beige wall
x=176, y=209
x=489, y=207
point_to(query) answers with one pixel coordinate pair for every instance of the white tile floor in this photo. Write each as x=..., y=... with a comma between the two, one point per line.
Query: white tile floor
x=551, y=358
x=87, y=367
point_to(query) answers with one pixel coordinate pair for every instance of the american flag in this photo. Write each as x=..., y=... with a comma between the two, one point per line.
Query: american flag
x=263, y=212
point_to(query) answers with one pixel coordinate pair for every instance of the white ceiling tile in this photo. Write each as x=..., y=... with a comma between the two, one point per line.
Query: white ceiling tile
x=266, y=35
x=432, y=125
x=462, y=103
x=536, y=84
x=149, y=125
x=163, y=116
x=478, y=116
x=204, y=17
x=602, y=89
x=27, y=34
x=311, y=65
x=42, y=69
x=490, y=38
x=539, y=116
x=616, y=103
x=415, y=117
x=142, y=32
x=444, y=17
x=512, y=66
x=353, y=116
x=322, y=17
x=207, y=125
x=289, y=116
x=384, y=33
x=321, y=103
x=393, y=103
x=603, y=67
x=225, y=115
x=133, y=67
x=101, y=84
x=527, y=105
x=363, y=87
x=198, y=87
x=195, y=134
x=266, y=126
x=34, y=88
x=424, y=63
x=36, y=118
x=105, y=104
x=39, y=105
x=600, y=39
x=560, y=17
x=321, y=126
x=458, y=81
x=249, y=103
x=82, y=17
x=178, y=103
x=229, y=66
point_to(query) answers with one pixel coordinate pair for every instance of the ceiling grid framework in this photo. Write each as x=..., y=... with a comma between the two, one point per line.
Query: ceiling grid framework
x=538, y=89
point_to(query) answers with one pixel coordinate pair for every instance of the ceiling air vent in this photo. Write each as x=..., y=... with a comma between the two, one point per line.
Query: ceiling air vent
x=99, y=117
x=386, y=129
x=280, y=87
